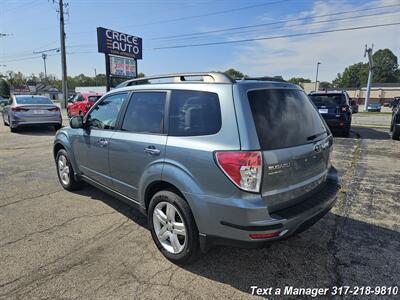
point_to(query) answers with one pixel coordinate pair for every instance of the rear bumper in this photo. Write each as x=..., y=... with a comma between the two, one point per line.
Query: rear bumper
x=337, y=123
x=38, y=121
x=285, y=222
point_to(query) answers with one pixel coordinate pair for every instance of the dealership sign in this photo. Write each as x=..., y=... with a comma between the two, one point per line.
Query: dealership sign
x=116, y=43
x=122, y=66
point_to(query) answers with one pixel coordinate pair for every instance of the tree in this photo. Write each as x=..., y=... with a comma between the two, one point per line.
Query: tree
x=4, y=89
x=385, y=66
x=354, y=75
x=235, y=74
x=298, y=80
x=323, y=85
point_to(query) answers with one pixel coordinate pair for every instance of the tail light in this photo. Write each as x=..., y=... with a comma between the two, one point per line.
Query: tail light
x=243, y=168
x=255, y=236
x=19, y=109
x=54, y=109
x=344, y=108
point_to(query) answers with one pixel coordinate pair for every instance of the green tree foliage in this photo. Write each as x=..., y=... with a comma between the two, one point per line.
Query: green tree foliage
x=4, y=89
x=235, y=74
x=386, y=69
x=298, y=80
x=325, y=85
x=385, y=66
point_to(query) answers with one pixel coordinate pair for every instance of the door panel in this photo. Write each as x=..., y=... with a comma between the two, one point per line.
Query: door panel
x=138, y=150
x=91, y=146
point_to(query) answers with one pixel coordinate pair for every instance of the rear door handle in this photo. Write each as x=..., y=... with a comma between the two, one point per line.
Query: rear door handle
x=103, y=142
x=152, y=150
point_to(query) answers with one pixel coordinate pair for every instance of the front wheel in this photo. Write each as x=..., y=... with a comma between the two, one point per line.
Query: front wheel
x=65, y=171
x=173, y=228
x=57, y=127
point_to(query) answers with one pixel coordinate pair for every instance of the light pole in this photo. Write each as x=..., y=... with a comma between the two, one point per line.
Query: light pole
x=95, y=76
x=316, y=76
x=44, y=56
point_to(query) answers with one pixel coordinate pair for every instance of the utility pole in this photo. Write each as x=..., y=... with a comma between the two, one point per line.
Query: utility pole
x=63, y=55
x=316, y=77
x=44, y=56
x=95, y=76
x=368, y=51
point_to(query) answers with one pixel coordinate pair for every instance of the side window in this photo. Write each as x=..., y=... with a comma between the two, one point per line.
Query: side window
x=194, y=113
x=145, y=113
x=105, y=114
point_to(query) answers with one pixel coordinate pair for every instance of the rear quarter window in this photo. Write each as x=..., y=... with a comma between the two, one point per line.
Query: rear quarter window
x=194, y=113
x=284, y=118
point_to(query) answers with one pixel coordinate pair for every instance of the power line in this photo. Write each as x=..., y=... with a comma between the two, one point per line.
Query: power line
x=276, y=37
x=273, y=23
x=290, y=26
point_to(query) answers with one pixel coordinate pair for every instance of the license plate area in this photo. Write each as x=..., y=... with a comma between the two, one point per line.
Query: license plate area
x=323, y=110
x=38, y=111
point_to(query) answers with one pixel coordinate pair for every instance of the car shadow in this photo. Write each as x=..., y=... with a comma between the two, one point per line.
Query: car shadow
x=37, y=131
x=335, y=251
x=371, y=133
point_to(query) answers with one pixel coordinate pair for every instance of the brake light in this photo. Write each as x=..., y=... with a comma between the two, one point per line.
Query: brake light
x=18, y=109
x=243, y=168
x=54, y=109
x=344, y=109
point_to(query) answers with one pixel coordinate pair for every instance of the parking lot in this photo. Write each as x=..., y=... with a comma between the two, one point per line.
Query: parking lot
x=86, y=244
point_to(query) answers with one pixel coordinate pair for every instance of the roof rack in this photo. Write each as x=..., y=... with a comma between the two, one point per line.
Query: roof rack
x=209, y=77
x=263, y=78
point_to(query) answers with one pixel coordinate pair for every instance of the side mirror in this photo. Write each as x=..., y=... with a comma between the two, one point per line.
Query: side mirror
x=76, y=122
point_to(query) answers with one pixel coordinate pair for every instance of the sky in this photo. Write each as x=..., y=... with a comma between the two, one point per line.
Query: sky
x=33, y=26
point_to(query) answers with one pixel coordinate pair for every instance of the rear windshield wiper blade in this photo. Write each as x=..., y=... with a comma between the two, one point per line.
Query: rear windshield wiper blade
x=314, y=136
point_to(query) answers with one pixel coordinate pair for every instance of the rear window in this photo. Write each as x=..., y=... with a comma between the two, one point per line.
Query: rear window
x=194, y=113
x=33, y=100
x=284, y=118
x=328, y=99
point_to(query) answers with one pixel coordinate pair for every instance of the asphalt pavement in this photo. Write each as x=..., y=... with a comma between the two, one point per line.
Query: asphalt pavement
x=56, y=244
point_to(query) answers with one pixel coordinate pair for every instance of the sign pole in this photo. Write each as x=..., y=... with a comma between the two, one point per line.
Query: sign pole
x=108, y=78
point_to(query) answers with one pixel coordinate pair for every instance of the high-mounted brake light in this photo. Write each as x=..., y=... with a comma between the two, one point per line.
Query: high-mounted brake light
x=243, y=168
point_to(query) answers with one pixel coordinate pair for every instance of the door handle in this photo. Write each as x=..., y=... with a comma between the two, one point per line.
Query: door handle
x=152, y=150
x=103, y=142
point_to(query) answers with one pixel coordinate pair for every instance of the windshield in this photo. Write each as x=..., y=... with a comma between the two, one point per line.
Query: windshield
x=285, y=118
x=328, y=99
x=33, y=100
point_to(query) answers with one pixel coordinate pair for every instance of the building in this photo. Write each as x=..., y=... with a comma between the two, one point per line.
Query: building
x=380, y=92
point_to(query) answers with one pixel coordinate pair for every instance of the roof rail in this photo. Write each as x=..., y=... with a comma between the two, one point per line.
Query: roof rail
x=209, y=77
x=263, y=78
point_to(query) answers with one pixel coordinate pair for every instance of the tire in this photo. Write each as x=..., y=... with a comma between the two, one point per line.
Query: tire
x=346, y=132
x=12, y=129
x=57, y=127
x=4, y=122
x=187, y=249
x=66, y=178
x=396, y=132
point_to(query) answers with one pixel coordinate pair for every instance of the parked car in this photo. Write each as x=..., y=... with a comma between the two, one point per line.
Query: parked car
x=208, y=159
x=30, y=110
x=374, y=107
x=81, y=102
x=395, y=102
x=395, y=123
x=335, y=108
x=3, y=101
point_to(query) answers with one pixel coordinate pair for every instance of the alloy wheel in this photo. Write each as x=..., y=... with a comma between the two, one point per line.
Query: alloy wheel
x=63, y=169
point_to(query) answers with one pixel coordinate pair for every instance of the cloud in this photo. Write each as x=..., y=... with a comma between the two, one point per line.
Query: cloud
x=298, y=56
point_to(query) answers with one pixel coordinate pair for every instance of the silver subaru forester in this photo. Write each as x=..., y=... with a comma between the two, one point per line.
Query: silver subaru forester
x=208, y=159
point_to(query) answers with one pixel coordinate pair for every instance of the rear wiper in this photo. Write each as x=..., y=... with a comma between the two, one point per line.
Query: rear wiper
x=314, y=136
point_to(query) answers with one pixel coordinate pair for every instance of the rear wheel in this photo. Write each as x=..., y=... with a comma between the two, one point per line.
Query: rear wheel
x=12, y=127
x=65, y=171
x=57, y=127
x=396, y=132
x=173, y=228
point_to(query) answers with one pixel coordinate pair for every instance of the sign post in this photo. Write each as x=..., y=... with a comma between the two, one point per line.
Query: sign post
x=121, y=53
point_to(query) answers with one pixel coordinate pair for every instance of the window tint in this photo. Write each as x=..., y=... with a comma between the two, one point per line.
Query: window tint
x=284, y=118
x=33, y=100
x=105, y=114
x=328, y=100
x=194, y=113
x=145, y=113
x=93, y=98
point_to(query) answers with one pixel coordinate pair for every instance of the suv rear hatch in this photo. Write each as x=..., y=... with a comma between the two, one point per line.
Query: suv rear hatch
x=295, y=144
x=329, y=105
